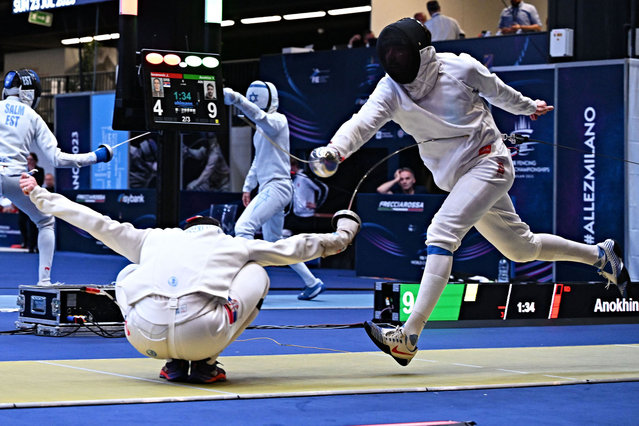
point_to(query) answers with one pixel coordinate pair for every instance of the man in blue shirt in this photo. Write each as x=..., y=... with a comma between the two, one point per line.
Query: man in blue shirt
x=519, y=17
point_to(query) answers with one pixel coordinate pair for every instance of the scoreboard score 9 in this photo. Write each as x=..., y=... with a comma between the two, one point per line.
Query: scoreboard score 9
x=182, y=90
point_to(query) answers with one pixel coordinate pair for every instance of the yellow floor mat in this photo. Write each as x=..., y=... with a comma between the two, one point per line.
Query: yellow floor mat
x=135, y=380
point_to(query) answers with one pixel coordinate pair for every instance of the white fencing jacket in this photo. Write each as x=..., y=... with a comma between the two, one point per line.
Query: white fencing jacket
x=445, y=100
x=20, y=127
x=173, y=262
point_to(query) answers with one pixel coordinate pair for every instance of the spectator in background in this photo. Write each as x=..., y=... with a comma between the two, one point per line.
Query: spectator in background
x=28, y=229
x=49, y=182
x=308, y=194
x=203, y=164
x=368, y=39
x=442, y=27
x=402, y=183
x=519, y=17
x=421, y=17
x=143, y=163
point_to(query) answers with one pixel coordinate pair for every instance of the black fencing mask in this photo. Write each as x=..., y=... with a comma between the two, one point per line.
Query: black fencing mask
x=398, y=49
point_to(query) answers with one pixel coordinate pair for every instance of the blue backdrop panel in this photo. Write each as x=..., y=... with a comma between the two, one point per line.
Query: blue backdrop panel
x=224, y=206
x=590, y=189
x=517, y=49
x=9, y=230
x=73, y=131
x=134, y=206
x=319, y=91
x=392, y=240
x=534, y=162
x=114, y=174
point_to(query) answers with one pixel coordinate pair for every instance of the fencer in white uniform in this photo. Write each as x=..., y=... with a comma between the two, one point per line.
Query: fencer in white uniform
x=442, y=95
x=271, y=170
x=189, y=293
x=21, y=130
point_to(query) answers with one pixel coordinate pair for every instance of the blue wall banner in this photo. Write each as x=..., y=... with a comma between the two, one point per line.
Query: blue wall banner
x=392, y=240
x=73, y=131
x=533, y=161
x=114, y=174
x=590, y=188
x=134, y=206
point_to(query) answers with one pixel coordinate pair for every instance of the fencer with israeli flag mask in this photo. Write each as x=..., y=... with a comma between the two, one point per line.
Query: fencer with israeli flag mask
x=271, y=171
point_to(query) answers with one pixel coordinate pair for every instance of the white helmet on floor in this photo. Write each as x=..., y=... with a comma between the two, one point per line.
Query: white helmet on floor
x=264, y=95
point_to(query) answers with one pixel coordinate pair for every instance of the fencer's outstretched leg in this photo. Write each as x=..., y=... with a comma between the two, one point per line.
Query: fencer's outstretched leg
x=122, y=238
x=401, y=342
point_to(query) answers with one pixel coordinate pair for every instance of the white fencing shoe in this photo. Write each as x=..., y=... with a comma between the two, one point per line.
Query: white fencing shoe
x=610, y=265
x=392, y=341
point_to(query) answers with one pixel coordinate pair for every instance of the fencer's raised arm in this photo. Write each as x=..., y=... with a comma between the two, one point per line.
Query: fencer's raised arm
x=494, y=90
x=48, y=144
x=303, y=247
x=363, y=125
x=122, y=238
x=259, y=111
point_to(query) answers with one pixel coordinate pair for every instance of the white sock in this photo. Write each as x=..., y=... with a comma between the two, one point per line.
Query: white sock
x=305, y=274
x=46, y=246
x=554, y=248
x=433, y=282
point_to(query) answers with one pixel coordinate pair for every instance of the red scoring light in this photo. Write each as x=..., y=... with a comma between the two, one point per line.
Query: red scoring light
x=154, y=58
x=171, y=59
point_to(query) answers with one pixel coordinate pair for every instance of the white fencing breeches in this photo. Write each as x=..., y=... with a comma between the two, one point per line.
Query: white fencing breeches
x=202, y=326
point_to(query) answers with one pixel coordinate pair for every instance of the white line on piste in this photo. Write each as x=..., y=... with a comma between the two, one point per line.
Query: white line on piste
x=512, y=371
x=559, y=377
x=133, y=377
x=467, y=365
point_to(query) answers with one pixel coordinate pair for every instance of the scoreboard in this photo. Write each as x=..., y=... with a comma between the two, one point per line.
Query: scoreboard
x=182, y=90
x=503, y=301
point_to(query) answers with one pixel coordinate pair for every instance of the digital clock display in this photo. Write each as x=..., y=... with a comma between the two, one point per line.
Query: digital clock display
x=182, y=97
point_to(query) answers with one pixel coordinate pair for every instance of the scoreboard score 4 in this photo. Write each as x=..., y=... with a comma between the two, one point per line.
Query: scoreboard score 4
x=182, y=90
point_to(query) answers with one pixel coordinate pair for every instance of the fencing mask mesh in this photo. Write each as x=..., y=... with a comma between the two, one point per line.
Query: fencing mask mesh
x=398, y=49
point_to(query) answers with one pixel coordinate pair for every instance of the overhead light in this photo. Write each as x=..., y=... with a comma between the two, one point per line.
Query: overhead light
x=128, y=7
x=102, y=37
x=115, y=36
x=261, y=19
x=227, y=23
x=87, y=39
x=68, y=41
x=305, y=15
x=348, y=10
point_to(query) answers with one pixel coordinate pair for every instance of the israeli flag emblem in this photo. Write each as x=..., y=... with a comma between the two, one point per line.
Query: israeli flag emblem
x=173, y=282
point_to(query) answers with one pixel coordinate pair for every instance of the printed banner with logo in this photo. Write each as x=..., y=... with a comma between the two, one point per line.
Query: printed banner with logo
x=590, y=188
x=392, y=240
x=83, y=123
x=114, y=174
x=534, y=162
x=134, y=206
x=73, y=131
